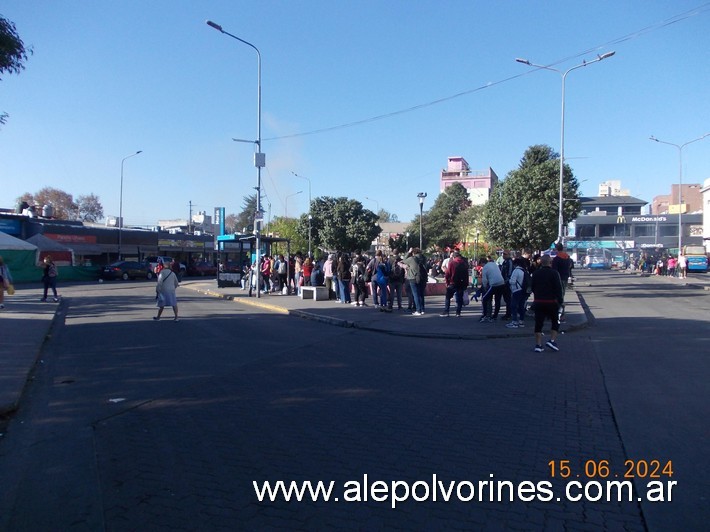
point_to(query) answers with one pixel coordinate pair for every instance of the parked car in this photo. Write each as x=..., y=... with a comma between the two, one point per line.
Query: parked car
x=202, y=269
x=125, y=270
x=152, y=263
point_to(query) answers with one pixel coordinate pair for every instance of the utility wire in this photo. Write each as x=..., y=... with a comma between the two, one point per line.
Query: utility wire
x=668, y=22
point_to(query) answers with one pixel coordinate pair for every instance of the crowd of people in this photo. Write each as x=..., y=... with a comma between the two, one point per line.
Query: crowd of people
x=669, y=266
x=385, y=281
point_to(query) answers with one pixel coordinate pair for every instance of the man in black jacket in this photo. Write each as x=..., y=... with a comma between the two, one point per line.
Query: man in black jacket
x=547, y=289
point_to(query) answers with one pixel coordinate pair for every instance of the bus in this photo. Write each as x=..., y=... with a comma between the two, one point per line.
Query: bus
x=598, y=259
x=697, y=258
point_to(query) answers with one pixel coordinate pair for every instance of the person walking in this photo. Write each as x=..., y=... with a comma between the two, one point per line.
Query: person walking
x=547, y=292
x=562, y=263
x=456, y=277
x=5, y=282
x=49, y=278
x=165, y=290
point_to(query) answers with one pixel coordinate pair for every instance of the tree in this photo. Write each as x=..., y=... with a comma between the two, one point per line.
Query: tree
x=288, y=228
x=12, y=52
x=441, y=221
x=62, y=202
x=468, y=222
x=522, y=211
x=244, y=221
x=90, y=208
x=340, y=224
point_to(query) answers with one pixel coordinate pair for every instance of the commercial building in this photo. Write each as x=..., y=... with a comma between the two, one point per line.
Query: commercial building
x=478, y=183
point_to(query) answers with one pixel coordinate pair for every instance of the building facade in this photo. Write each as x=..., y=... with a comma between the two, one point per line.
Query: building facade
x=478, y=183
x=690, y=200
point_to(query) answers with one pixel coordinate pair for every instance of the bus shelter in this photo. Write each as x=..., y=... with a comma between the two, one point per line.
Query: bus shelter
x=237, y=253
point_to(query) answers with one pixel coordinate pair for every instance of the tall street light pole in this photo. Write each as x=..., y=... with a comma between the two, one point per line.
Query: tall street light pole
x=560, y=221
x=286, y=202
x=376, y=203
x=310, y=218
x=421, y=197
x=259, y=157
x=680, y=183
x=120, y=204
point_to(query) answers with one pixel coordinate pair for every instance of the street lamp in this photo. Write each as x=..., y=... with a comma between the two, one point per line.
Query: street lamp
x=560, y=221
x=376, y=203
x=310, y=218
x=259, y=157
x=680, y=182
x=475, y=248
x=286, y=202
x=421, y=197
x=120, y=203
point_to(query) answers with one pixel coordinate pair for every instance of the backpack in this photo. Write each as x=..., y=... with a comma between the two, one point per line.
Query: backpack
x=397, y=273
x=368, y=273
x=526, y=286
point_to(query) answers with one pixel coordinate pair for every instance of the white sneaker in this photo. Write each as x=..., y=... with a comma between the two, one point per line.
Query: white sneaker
x=415, y=313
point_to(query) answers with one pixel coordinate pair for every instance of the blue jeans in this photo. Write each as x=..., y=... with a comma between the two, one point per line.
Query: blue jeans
x=517, y=305
x=451, y=291
x=344, y=290
x=414, y=294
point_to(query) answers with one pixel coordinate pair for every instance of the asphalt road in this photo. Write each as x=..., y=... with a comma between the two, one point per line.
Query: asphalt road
x=131, y=424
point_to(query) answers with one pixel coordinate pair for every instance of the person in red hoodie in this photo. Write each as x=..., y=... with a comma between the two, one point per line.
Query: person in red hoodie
x=562, y=264
x=456, y=277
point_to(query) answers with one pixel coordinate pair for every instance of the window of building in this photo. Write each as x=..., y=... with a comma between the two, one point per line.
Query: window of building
x=644, y=230
x=668, y=230
x=612, y=230
x=586, y=231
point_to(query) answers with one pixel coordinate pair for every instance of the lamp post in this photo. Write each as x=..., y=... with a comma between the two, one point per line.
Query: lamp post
x=120, y=204
x=475, y=249
x=259, y=157
x=376, y=203
x=310, y=218
x=421, y=197
x=286, y=202
x=560, y=221
x=680, y=182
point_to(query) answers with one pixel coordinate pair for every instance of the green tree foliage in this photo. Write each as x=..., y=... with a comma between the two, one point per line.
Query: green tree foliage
x=288, y=228
x=90, y=208
x=441, y=226
x=12, y=52
x=522, y=211
x=468, y=222
x=339, y=224
x=244, y=221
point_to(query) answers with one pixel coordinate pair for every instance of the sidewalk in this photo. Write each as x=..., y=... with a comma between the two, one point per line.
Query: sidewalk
x=369, y=318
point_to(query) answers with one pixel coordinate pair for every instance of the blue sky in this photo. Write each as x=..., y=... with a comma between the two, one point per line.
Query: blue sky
x=109, y=78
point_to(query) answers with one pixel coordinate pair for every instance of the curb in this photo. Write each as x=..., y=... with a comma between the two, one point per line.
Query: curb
x=338, y=322
x=8, y=409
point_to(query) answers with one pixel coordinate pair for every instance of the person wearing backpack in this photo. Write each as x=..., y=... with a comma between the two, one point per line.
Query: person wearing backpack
x=520, y=288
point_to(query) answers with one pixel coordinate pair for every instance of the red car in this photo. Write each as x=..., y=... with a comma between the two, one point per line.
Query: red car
x=202, y=269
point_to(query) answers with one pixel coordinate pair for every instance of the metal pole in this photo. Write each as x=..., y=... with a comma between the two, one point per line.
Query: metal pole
x=680, y=183
x=421, y=197
x=259, y=157
x=560, y=218
x=120, y=204
x=309, y=210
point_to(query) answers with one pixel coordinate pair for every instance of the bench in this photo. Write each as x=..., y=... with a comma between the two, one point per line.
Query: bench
x=317, y=293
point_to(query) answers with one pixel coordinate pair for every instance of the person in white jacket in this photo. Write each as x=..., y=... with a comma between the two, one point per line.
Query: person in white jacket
x=165, y=290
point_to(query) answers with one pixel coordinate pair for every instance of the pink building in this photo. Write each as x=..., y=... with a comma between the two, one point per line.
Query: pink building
x=479, y=183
